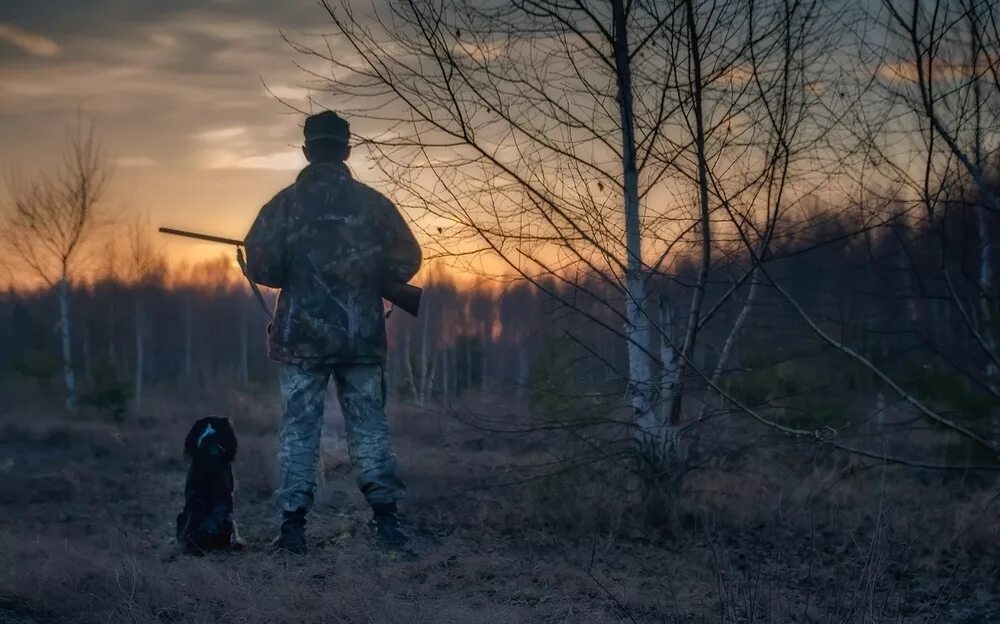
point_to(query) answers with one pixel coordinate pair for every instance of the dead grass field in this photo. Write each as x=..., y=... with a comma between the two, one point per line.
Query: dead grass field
x=87, y=509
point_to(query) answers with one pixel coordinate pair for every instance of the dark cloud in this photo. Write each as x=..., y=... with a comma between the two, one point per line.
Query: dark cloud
x=191, y=66
x=175, y=90
x=92, y=17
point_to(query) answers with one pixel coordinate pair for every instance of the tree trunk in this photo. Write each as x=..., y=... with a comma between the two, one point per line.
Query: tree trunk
x=987, y=318
x=523, y=371
x=880, y=408
x=649, y=432
x=445, y=377
x=986, y=289
x=908, y=295
x=188, y=337
x=139, y=350
x=88, y=367
x=730, y=343
x=669, y=375
x=64, y=331
x=429, y=384
x=484, y=359
x=468, y=364
x=424, y=364
x=986, y=328
x=694, y=313
x=408, y=359
x=244, y=346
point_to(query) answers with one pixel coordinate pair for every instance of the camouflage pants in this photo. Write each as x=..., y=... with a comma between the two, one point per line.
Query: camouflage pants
x=361, y=389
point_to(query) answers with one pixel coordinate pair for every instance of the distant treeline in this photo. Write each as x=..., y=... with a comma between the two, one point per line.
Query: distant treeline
x=904, y=295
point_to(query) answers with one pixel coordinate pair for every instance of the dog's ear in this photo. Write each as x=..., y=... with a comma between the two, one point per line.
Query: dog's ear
x=227, y=437
x=191, y=441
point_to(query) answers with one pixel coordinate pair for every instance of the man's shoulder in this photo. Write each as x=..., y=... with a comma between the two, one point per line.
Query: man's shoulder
x=368, y=195
x=326, y=181
x=282, y=195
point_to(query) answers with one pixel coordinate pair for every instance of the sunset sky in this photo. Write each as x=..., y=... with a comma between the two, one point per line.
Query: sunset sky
x=175, y=90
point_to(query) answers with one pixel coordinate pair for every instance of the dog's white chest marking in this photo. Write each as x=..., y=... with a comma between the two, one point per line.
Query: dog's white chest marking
x=207, y=432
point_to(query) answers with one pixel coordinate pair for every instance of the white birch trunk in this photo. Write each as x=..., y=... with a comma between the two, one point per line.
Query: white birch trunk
x=408, y=357
x=140, y=352
x=986, y=328
x=429, y=383
x=986, y=290
x=88, y=369
x=485, y=347
x=468, y=364
x=188, y=337
x=244, y=346
x=669, y=374
x=648, y=428
x=880, y=408
x=730, y=342
x=438, y=363
x=67, y=355
x=523, y=371
x=424, y=363
x=445, y=377
x=909, y=300
x=694, y=312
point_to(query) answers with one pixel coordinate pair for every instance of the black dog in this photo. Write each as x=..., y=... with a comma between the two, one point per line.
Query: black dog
x=206, y=523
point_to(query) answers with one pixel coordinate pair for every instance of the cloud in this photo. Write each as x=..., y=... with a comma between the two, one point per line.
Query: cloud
x=186, y=84
x=160, y=39
x=32, y=43
x=286, y=160
x=221, y=134
x=276, y=161
x=737, y=75
x=100, y=87
x=905, y=71
x=481, y=51
x=287, y=93
x=135, y=161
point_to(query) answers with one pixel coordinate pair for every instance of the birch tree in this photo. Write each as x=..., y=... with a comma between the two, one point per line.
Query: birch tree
x=49, y=221
x=568, y=139
x=911, y=135
x=938, y=79
x=147, y=269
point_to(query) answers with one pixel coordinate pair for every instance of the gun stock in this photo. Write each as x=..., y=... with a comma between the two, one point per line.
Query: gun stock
x=406, y=297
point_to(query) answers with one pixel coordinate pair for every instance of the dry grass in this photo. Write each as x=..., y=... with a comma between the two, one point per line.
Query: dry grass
x=87, y=511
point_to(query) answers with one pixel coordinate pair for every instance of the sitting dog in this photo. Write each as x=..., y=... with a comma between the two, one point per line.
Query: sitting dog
x=206, y=523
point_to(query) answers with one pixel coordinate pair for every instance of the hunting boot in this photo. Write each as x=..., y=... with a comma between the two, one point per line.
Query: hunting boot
x=293, y=533
x=389, y=533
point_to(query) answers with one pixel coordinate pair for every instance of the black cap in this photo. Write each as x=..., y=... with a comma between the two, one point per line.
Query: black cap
x=327, y=126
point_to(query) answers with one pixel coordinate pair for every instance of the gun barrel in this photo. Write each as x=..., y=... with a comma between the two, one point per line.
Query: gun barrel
x=404, y=296
x=204, y=237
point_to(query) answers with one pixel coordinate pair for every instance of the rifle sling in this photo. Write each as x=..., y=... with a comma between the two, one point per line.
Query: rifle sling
x=260, y=297
x=253, y=286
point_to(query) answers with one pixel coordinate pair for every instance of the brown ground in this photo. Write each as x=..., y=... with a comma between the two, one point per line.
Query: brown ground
x=87, y=509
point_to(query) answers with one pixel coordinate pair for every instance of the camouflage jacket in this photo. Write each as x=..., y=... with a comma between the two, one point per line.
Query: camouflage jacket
x=329, y=242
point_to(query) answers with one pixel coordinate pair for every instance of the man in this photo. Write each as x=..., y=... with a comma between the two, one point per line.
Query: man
x=329, y=242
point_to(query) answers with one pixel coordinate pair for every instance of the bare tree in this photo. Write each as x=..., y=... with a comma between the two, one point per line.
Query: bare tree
x=147, y=269
x=586, y=147
x=945, y=65
x=49, y=221
x=939, y=84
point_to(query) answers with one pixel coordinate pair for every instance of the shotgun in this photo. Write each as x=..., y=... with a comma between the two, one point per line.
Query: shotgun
x=406, y=297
